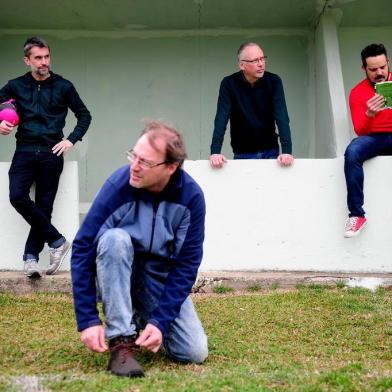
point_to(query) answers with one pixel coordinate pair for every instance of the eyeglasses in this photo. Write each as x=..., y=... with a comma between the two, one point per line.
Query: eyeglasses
x=132, y=157
x=255, y=61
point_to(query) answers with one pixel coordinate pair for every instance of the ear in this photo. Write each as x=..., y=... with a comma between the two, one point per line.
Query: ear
x=241, y=65
x=26, y=61
x=172, y=167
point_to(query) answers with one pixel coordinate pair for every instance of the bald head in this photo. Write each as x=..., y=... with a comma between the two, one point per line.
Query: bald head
x=251, y=61
x=244, y=46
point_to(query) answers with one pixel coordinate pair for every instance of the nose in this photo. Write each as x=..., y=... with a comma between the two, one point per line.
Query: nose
x=135, y=164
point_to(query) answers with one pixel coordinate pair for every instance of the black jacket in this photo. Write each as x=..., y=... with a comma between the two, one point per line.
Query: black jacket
x=42, y=107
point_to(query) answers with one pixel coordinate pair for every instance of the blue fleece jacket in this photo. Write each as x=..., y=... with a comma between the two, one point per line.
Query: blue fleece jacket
x=168, y=225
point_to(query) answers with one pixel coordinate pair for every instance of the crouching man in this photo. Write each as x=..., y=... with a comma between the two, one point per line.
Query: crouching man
x=139, y=248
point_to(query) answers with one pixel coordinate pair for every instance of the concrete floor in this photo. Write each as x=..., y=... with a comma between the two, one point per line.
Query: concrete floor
x=15, y=282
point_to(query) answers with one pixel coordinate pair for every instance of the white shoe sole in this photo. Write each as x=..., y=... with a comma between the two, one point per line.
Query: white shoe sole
x=351, y=234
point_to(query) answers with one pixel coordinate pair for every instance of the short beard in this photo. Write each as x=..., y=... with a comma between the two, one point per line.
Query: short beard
x=43, y=72
x=379, y=81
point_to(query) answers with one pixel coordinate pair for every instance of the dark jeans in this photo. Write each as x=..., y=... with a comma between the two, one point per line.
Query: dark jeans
x=358, y=151
x=43, y=168
x=266, y=154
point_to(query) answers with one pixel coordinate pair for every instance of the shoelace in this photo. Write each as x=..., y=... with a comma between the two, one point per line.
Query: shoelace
x=54, y=250
x=126, y=350
x=31, y=263
x=351, y=223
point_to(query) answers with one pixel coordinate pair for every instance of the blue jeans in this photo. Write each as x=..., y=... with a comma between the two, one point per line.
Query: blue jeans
x=266, y=154
x=119, y=274
x=358, y=151
x=43, y=169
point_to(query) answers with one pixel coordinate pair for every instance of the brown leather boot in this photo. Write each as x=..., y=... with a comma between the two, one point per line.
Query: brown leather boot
x=122, y=361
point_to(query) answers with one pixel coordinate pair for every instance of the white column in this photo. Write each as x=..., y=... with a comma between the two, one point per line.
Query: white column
x=332, y=117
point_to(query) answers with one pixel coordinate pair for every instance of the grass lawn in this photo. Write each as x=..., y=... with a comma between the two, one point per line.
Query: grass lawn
x=306, y=339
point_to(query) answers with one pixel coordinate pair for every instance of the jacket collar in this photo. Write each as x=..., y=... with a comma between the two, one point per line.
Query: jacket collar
x=171, y=189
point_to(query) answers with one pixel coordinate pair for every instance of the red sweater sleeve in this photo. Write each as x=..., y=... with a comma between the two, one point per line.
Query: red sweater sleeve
x=364, y=125
x=359, y=95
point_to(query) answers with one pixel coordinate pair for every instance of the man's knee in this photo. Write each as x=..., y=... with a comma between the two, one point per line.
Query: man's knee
x=194, y=353
x=352, y=153
x=18, y=199
x=200, y=353
x=114, y=239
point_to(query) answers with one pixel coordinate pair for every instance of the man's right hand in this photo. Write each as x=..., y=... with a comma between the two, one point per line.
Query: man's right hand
x=94, y=338
x=6, y=127
x=374, y=105
x=217, y=160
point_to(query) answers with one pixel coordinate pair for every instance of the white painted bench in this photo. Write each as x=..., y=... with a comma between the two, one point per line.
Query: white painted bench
x=259, y=216
x=14, y=230
x=263, y=217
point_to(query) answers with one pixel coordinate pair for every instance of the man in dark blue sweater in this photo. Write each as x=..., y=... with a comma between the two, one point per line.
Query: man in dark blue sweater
x=42, y=99
x=140, y=247
x=253, y=100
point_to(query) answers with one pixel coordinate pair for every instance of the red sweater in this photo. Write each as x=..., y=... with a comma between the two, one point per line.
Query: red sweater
x=363, y=125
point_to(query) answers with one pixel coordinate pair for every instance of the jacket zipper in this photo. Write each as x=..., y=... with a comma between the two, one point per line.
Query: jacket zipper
x=38, y=98
x=154, y=213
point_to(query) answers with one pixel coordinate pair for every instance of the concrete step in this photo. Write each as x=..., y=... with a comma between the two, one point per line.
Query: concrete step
x=17, y=283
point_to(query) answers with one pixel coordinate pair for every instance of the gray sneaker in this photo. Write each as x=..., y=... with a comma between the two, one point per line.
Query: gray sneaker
x=31, y=269
x=57, y=256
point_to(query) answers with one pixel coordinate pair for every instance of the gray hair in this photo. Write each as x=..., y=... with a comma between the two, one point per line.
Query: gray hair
x=243, y=47
x=32, y=42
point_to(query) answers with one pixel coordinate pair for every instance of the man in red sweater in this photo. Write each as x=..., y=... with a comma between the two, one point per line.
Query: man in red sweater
x=373, y=125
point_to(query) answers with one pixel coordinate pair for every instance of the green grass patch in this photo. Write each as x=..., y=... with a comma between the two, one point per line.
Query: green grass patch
x=299, y=340
x=254, y=287
x=222, y=289
x=340, y=284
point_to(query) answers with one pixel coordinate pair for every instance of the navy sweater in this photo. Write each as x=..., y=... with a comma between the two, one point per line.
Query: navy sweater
x=168, y=226
x=253, y=111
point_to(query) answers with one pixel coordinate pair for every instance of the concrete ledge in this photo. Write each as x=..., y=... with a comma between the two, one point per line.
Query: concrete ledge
x=16, y=283
x=242, y=280
x=259, y=217
x=14, y=230
x=264, y=217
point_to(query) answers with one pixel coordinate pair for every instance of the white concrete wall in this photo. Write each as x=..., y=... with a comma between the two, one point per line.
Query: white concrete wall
x=259, y=216
x=14, y=230
x=263, y=217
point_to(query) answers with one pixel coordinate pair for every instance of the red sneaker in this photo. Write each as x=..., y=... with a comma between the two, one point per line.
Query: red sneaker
x=354, y=226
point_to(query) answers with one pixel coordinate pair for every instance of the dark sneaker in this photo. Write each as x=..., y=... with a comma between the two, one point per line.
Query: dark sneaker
x=31, y=269
x=354, y=226
x=56, y=257
x=122, y=361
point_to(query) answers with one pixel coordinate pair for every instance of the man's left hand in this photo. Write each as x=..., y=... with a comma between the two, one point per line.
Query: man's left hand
x=285, y=159
x=151, y=338
x=63, y=147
